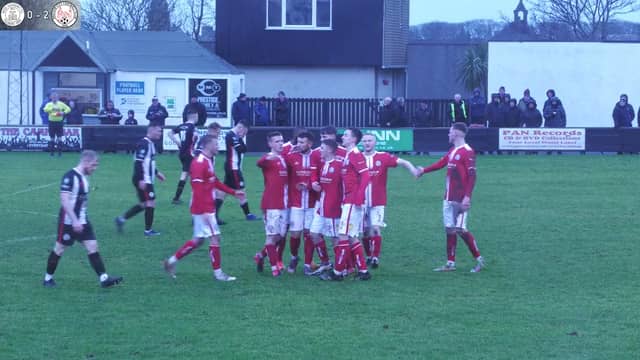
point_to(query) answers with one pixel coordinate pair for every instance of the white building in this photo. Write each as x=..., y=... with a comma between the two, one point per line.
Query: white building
x=124, y=66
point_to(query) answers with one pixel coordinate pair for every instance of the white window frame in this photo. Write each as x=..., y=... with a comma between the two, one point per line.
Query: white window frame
x=314, y=19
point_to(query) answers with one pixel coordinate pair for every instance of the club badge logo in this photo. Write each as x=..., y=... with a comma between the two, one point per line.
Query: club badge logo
x=208, y=87
x=12, y=14
x=64, y=14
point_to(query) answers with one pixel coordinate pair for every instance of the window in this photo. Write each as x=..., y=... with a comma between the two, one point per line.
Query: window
x=88, y=100
x=78, y=80
x=299, y=14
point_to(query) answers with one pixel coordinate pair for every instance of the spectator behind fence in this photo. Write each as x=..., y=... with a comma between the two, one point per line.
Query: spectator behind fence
x=550, y=93
x=131, y=120
x=43, y=114
x=504, y=97
x=458, y=110
x=554, y=114
x=496, y=112
x=531, y=118
x=401, y=117
x=262, y=112
x=241, y=109
x=74, y=117
x=623, y=113
x=282, y=110
x=477, y=109
x=387, y=113
x=526, y=99
x=110, y=115
x=512, y=117
x=156, y=114
x=422, y=115
x=195, y=107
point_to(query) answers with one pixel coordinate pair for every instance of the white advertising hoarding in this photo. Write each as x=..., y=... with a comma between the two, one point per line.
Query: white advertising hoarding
x=587, y=77
x=542, y=139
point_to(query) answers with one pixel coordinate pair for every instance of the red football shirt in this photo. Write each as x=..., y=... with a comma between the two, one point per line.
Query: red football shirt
x=354, y=165
x=461, y=172
x=331, y=195
x=203, y=184
x=300, y=168
x=378, y=164
x=275, y=195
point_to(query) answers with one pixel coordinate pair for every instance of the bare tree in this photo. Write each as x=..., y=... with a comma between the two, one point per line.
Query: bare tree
x=121, y=15
x=200, y=13
x=115, y=15
x=587, y=19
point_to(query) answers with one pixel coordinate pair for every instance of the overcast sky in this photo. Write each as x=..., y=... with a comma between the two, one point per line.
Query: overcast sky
x=462, y=10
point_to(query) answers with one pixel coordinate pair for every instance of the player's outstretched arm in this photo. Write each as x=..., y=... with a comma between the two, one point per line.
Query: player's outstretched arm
x=435, y=166
x=409, y=166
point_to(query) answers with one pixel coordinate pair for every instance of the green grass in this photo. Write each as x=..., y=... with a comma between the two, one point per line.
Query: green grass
x=559, y=235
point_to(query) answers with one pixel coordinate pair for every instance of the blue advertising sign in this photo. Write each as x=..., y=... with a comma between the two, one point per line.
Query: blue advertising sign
x=129, y=87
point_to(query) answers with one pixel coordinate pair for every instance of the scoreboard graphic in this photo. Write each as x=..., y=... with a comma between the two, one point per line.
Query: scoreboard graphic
x=39, y=14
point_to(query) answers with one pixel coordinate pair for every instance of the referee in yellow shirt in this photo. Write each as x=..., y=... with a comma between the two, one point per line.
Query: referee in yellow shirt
x=56, y=110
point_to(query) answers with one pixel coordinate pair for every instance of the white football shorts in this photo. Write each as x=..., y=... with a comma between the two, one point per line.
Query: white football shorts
x=205, y=225
x=453, y=216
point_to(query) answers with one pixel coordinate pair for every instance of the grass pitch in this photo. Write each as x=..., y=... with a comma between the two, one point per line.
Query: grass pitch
x=559, y=235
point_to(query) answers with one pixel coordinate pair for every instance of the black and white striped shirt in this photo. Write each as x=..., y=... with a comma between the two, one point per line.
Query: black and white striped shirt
x=144, y=161
x=76, y=184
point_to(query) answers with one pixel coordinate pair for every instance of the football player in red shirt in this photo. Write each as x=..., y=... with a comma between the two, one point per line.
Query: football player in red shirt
x=461, y=178
x=275, y=201
x=204, y=184
x=355, y=179
x=302, y=198
x=376, y=195
x=327, y=215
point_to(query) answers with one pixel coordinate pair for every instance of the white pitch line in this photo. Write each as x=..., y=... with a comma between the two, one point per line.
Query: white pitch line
x=34, y=213
x=26, y=239
x=28, y=190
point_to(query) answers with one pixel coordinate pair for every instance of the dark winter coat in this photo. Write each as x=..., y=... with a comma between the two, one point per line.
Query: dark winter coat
x=523, y=103
x=74, y=117
x=554, y=114
x=157, y=114
x=422, y=118
x=400, y=118
x=623, y=115
x=477, y=109
x=531, y=118
x=387, y=116
x=195, y=108
x=110, y=116
x=512, y=117
x=282, y=112
x=240, y=111
x=496, y=114
x=262, y=114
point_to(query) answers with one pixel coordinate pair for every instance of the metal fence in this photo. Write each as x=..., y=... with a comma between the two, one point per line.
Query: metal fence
x=349, y=112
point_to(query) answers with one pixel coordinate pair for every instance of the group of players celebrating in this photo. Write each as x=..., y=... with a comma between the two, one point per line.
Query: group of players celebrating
x=331, y=192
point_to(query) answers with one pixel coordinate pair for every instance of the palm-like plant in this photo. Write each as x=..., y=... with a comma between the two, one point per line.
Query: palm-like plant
x=472, y=68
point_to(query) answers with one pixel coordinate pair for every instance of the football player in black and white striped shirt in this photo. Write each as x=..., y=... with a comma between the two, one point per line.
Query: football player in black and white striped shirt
x=73, y=224
x=144, y=175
